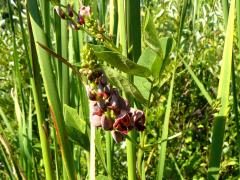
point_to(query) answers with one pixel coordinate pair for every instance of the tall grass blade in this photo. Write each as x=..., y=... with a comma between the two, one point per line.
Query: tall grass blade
x=223, y=96
x=36, y=85
x=235, y=101
x=162, y=155
x=51, y=89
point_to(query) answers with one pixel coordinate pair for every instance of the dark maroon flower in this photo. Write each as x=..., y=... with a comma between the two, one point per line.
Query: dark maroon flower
x=107, y=123
x=60, y=12
x=123, y=123
x=95, y=120
x=116, y=102
x=70, y=10
x=138, y=119
x=117, y=136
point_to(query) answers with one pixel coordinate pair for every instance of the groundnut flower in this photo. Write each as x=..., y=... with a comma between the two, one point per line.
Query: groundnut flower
x=138, y=118
x=123, y=123
x=85, y=11
x=117, y=136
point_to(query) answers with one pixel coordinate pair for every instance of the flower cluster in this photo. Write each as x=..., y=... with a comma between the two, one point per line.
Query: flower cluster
x=108, y=109
x=75, y=22
x=83, y=17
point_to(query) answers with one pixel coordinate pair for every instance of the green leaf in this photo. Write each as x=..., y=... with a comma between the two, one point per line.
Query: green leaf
x=76, y=127
x=147, y=59
x=118, y=80
x=120, y=62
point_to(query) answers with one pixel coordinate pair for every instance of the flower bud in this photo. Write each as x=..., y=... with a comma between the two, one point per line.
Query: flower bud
x=107, y=123
x=70, y=10
x=138, y=117
x=60, y=12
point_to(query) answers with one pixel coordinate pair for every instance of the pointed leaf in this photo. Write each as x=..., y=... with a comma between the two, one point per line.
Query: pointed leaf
x=120, y=62
x=118, y=80
x=76, y=127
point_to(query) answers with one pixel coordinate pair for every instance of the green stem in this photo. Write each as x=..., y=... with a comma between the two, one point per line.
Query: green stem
x=109, y=148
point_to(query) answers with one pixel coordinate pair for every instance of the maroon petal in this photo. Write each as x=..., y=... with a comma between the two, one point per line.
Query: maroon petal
x=123, y=123
x=117, y=136
x=116, y=102
x=138, y=117
x=81, y=20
